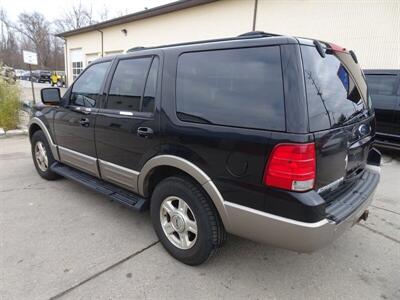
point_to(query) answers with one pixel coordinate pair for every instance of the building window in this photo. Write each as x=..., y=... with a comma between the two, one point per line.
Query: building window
x=77, y=67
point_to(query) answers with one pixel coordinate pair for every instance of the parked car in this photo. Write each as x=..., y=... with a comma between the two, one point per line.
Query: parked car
x=18, y=73
x=26, y=75
x=41, y=76
x=264, y=136
x=384, y=89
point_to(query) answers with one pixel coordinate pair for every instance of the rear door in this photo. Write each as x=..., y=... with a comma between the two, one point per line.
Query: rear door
x=339, y=115
x=127, y=126
x=382, y=88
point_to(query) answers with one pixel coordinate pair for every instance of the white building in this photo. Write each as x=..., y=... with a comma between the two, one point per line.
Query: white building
x=370, y=28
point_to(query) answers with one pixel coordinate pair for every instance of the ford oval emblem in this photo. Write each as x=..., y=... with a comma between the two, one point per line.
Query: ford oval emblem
x=363, y=130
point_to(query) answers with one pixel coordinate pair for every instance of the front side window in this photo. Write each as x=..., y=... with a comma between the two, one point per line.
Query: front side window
x=86, y=90
x=332, y=94
x=236, y=87
x=127, y=85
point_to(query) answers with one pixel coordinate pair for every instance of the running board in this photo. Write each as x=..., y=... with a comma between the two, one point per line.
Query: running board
x=116, y=193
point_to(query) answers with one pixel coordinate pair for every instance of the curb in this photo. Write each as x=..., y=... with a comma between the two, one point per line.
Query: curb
x=13, y=132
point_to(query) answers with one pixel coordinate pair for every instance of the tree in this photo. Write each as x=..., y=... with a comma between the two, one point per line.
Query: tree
x=35, y=28
x=78, y=16
x=8, y=43
x=30, y=32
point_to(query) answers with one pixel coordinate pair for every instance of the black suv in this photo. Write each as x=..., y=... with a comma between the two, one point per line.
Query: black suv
x=41, y=76
x=384, y=89
x=264, y=136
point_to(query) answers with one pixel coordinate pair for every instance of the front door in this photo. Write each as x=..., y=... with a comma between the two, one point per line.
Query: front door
x=127, y=126
x=74, y=120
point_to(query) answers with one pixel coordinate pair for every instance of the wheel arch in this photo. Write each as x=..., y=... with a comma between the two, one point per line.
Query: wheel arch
x=36, y=124
x=167, y=164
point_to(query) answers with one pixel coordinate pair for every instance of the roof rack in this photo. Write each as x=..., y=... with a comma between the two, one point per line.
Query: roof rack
x=247, y=35
x=136, y=49
x=257, y=34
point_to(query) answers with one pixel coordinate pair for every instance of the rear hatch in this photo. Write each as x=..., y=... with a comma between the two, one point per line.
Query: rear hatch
x=340, y=115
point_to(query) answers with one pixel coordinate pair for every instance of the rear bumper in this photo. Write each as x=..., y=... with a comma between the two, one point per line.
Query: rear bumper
x=295, y=235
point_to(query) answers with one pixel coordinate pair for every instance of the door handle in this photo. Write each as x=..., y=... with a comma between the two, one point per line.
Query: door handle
x=82, y=110
x=145, y=132
x=84, y=122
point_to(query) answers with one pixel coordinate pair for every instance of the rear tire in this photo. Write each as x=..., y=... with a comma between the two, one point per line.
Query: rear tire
x=42, y=156
x=186, y=221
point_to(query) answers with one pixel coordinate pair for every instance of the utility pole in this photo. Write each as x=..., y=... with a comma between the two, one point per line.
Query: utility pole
x=33, y=90
x=30, y=58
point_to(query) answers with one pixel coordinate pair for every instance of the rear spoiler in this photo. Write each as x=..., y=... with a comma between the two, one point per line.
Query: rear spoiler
x=331, y=47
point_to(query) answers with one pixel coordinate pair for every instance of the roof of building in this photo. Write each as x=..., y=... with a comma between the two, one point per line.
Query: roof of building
x=152, y=12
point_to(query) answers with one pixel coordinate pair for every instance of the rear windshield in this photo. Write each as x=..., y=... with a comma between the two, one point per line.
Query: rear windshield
x=235, y=87
x=336, y=89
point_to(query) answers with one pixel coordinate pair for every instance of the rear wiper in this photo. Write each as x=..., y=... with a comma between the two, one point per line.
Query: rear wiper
x=192, y=118
x=356, y=115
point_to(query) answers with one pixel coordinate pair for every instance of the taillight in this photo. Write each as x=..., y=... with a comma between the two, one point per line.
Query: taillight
x=291, y=167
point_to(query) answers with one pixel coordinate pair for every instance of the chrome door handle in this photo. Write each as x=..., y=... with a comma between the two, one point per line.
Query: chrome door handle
x=145, y=132
x=85, y=122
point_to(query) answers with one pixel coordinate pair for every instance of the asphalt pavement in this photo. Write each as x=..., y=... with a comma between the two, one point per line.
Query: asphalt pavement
x=60, y=240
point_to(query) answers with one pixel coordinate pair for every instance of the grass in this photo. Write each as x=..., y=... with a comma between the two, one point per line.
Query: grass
x=9, y=105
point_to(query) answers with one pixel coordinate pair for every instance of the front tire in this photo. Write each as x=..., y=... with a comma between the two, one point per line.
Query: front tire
x=186, y=221
x=42, y=156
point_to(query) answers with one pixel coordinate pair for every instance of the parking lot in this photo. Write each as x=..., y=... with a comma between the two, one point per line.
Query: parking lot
x=26, y=89
x=60, y=240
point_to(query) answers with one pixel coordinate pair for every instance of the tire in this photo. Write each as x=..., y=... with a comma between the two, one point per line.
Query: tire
x=210, y=230
x=39, y=138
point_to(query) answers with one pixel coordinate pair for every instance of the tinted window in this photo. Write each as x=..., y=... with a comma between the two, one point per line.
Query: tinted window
x=150, y=90
x=332, y=95
x=382, y=84
x=127, y=85
x=85, y=91
x=238, y=87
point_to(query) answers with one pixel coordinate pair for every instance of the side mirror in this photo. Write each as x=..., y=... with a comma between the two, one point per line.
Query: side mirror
x=50, y=96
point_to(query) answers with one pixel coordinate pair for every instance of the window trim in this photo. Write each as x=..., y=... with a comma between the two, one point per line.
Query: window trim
x=226, y=49
x=135, y=114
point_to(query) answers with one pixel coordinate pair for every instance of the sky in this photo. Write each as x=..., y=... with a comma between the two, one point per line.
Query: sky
x=55, y=9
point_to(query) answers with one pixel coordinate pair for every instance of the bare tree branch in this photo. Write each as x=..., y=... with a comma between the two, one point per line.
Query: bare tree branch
x=78, y=16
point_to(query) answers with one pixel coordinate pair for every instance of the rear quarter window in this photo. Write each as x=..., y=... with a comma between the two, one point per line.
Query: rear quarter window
x=236, y=87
